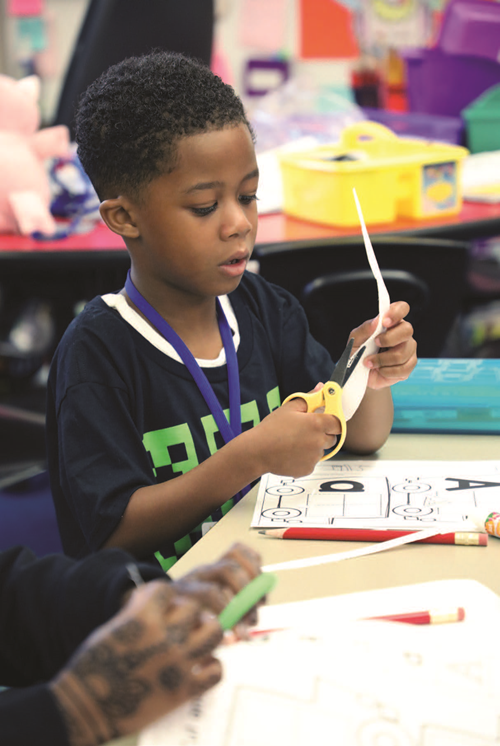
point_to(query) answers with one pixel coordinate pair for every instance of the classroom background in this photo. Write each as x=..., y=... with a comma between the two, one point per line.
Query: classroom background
x=401, y=100
x=400, y=97
x=328, y=41
x=306, y=69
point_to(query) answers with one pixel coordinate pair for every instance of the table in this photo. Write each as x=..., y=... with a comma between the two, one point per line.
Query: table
x=85, y=265
x=97, y=240
x=475, y=220
x=408, y=564
x=405, y=565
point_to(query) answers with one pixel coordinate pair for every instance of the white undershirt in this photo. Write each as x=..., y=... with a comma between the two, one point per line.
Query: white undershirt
x=132, y=317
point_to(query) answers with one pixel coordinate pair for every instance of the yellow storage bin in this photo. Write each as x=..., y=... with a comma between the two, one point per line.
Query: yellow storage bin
x=394, y=178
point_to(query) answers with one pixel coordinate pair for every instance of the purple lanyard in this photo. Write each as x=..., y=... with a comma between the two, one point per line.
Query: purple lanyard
x=231, y=429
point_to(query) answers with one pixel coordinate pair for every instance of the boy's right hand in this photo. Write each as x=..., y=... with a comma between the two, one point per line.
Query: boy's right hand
x=291, y=443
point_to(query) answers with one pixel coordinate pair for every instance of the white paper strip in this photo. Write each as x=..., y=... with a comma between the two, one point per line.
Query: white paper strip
x=356, y=386
x=383, y=296
x=382, y=546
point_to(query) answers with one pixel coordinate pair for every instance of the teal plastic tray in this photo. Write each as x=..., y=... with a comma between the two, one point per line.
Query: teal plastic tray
x=449, y=396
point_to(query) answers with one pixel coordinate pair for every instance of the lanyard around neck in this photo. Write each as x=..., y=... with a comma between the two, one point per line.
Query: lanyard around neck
x=230, y=429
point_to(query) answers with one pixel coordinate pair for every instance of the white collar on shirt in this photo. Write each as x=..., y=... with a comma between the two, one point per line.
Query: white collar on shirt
x=118, y=301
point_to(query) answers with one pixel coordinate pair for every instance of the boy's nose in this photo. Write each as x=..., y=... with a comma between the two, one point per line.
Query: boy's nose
x=236, y=222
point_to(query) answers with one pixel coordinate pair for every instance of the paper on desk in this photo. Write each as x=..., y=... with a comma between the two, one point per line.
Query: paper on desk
x=479, y=602
x=333, y=680
x=480, y=177
x=398, y=495
x=355, y=388
x=382, y=546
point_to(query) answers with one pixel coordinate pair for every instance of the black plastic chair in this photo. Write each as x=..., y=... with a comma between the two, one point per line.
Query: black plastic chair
x=59, y=280
x=115, y=29
x=435, y=290
x=326, y=299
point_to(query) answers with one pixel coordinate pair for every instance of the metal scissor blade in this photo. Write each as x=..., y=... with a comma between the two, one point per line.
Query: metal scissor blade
x=352, y=363
x=339, y=372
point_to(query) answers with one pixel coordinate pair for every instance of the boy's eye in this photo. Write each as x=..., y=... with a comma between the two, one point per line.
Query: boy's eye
x=203, y=211
x=246, y=199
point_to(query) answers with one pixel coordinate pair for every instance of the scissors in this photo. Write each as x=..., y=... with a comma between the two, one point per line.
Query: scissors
x=329, y=396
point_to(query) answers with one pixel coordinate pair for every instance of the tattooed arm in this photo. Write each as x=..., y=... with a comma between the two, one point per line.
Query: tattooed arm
x=152, y=657
x=50, y=605
x=154, y=654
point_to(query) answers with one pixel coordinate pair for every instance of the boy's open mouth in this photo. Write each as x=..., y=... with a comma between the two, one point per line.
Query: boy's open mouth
x=236, y=265
x=236, y=260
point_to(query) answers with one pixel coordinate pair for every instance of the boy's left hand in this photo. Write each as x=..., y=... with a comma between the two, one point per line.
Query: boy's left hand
x=398, y=350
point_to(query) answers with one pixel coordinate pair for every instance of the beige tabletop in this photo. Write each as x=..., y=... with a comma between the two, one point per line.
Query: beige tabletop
x=413, y=563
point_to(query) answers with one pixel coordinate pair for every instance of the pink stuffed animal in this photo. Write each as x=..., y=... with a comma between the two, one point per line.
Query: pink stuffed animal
x=24, y=184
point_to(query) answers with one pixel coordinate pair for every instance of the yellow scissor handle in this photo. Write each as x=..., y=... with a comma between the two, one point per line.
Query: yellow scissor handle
x=329, y=397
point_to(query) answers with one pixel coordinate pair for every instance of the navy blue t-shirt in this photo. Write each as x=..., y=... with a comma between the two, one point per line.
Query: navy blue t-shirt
x=123, y=415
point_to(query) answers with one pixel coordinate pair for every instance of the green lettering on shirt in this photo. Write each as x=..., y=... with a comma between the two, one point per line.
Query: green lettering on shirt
x=182, y=545
x=249, y=414
x=210, y=428
x=227, y=506
x=158, y=442
x=273, y=399
x=165, y=562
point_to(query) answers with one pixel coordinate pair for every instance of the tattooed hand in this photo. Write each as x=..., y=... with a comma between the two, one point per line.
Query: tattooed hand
x=152, y=657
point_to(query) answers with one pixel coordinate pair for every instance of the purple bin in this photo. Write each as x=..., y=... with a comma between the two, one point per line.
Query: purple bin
x=463, y=64
x=440, y=83
x=427, y=126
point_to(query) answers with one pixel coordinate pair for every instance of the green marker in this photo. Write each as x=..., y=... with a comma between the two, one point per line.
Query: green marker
x=246, y=599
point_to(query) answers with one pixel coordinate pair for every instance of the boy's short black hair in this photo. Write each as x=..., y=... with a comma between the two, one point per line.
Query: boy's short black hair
x=130, y=119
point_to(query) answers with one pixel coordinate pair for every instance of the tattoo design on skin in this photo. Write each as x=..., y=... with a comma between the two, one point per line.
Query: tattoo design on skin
x=170, y=678
x=109, y=673
x=129, y=632
x=105, y=673
x=178, y=633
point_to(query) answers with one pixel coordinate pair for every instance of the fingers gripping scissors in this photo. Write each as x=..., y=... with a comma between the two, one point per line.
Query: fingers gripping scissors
x=329, y=396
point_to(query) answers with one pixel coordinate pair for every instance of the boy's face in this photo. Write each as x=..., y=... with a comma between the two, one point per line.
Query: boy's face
x=198, y=224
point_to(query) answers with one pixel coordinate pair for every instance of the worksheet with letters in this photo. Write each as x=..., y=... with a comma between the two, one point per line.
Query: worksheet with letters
x=399, y=495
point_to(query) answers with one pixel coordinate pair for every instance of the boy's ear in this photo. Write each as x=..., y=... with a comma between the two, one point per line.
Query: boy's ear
x=117, y=213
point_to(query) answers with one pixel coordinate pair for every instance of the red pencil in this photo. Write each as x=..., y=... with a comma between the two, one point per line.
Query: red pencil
x=425, y=617
x=438, y=616
x=465, y=538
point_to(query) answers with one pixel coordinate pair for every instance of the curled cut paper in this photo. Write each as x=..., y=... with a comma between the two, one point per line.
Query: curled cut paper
x=355, y=388
x=383, y=546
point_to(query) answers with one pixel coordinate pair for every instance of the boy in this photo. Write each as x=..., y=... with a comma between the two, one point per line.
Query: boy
x=170, y=152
